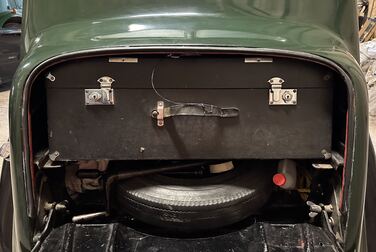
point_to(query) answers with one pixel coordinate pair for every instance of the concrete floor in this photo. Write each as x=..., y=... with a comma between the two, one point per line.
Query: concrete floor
x=4, y=116
x=4, y=129
x=372, y=129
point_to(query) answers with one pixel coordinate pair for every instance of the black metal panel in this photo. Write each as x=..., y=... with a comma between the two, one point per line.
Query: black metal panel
x=127, y=131
x=257, y=237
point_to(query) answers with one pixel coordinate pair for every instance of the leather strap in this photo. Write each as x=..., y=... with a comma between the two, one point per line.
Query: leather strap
x=199, y=109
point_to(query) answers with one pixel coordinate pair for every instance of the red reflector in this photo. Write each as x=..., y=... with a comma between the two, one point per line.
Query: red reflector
x=279, y=179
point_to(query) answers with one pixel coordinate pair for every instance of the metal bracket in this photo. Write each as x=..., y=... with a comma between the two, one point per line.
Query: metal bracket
x=315, y=209
x=322, y=166
x=45, y=160
x=280, y=96
x=102, y=96
x=160, y=113
x=51, y=77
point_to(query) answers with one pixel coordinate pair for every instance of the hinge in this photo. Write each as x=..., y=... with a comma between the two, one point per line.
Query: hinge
x=106, y=82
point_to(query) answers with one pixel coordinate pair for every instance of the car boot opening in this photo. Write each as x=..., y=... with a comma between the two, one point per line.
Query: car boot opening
x=189, y=145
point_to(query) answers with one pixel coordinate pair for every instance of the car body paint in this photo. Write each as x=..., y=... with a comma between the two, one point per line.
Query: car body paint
x=323, y=31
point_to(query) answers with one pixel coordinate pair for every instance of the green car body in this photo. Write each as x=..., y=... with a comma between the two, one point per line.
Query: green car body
x=4, y=17
x=10, y=11
x=323, y=31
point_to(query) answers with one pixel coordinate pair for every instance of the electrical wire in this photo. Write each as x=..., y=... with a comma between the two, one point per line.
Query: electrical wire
x=156, y=91
x=198, y=104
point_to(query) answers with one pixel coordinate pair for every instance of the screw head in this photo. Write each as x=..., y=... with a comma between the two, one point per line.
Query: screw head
x=154, y=113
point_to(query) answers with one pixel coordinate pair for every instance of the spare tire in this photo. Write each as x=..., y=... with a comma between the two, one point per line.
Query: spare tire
x=192, y=204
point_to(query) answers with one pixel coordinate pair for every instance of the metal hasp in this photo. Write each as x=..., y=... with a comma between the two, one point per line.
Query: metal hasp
x=279, y=96
x=103, y=95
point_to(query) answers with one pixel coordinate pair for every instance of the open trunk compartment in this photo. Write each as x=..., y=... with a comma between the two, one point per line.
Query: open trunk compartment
x=112, y=164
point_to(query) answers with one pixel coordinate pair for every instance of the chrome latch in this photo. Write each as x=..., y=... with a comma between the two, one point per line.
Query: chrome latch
x=103, y=95
x=280, y=96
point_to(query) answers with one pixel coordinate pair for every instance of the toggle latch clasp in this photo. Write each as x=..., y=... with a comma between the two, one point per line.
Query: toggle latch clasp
x=280, y=96
x=103, y=95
